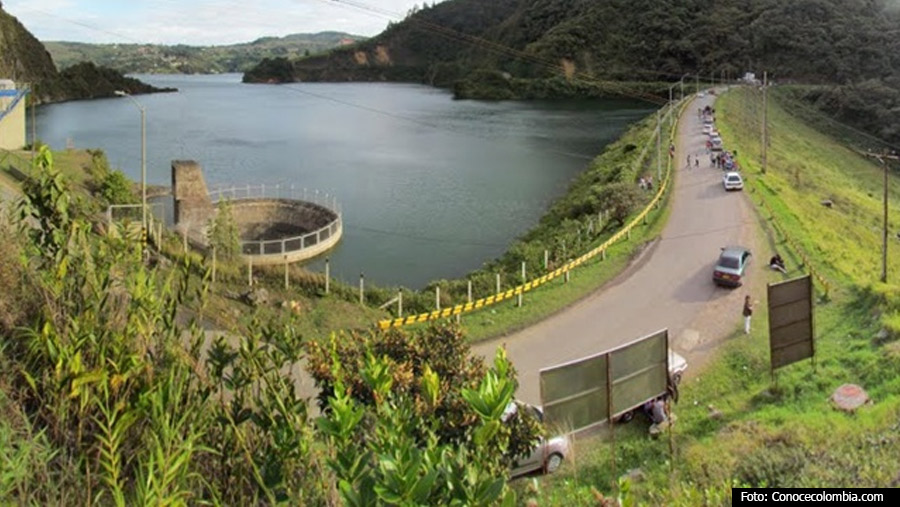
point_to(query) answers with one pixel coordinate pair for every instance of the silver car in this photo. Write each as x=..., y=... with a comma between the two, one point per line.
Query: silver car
x=547, y=455
x=731, y=265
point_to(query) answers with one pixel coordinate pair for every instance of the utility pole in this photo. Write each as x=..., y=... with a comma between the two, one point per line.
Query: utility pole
x=33, y=122
x=883, y=158
x=658, y=148
x=765, y=121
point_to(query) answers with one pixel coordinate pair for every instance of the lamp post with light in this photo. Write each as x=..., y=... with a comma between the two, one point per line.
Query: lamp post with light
x=121, y=93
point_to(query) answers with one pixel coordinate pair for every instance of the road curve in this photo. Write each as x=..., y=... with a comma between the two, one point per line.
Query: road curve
x=670, y=286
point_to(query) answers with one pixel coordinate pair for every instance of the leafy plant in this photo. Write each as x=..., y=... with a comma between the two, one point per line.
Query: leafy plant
x=223, y=233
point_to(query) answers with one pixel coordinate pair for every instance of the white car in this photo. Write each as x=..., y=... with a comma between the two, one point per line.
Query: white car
x=732, y=181
x=547, y=455
x=707, y=129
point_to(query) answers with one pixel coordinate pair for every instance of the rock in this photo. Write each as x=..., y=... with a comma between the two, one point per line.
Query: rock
x=827, y=203
x=634, y=475
x=882, y=336
x=849, y=397
x=714, y=413
x=256, y=297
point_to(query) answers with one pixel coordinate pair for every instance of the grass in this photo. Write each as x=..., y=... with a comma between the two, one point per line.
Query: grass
x=782, y=433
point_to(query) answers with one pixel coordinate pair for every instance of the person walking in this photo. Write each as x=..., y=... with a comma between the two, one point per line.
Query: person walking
x=748, y=312
x=689, y=161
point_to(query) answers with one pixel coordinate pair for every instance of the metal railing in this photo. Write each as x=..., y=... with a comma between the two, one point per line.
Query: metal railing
x=289, y=244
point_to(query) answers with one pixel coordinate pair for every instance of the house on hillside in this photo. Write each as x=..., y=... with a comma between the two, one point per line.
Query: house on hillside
x=12, y=115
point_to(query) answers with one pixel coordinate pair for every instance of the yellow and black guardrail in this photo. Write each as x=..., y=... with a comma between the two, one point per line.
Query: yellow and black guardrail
x=537, y=282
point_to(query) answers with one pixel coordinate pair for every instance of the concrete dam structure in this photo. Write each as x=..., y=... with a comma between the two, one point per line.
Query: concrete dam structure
x=277, y=224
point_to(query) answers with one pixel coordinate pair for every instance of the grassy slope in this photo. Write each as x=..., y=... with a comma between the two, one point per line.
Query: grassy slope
x=789, y=435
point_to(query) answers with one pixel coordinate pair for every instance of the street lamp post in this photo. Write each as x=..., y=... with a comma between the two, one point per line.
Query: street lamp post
x=682, y=85
x=143, y=161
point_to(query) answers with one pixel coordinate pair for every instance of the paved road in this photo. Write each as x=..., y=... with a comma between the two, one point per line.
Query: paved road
x=670, y=286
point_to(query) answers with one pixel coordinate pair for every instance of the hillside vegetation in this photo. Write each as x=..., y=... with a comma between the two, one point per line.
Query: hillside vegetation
x=185, y=59
x=25, y=60
x=551, y=48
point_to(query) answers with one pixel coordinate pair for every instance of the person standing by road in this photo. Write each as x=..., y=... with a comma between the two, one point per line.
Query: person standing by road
x=748, y=312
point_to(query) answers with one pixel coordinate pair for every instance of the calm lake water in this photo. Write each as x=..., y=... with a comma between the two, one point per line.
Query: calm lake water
x=430, y=187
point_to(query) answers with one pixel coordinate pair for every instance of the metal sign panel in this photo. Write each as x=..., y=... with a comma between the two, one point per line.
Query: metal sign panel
x=639, y=371
x=574, y=395
x=791, y=336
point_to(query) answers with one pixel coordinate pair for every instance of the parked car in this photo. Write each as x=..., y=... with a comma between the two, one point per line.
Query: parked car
x=547, y=455
x=732, y=180
x=731, y=266
x=715, y=144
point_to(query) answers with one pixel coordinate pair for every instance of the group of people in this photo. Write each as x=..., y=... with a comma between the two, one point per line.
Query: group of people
x=724, y=160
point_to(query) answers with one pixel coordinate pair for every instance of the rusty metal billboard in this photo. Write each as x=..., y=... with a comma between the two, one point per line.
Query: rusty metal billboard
x=639, y=371
x=574, y=395
x=589, y=391
x=791, y=336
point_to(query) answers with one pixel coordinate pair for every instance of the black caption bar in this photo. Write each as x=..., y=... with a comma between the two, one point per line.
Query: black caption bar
x=815, y=496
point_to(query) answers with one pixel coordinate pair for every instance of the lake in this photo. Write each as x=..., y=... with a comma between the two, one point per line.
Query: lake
x=430, y=187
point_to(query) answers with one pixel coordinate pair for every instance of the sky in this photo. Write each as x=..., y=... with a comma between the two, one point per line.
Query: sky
x=200, y=22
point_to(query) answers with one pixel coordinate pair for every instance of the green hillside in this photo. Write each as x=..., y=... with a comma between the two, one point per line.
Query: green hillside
x=547, y=48
x=736, y=427
x=25, y=60
x=816, y=41
x=184, y=59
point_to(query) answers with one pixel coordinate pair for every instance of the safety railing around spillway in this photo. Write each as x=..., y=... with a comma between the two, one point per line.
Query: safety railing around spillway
x=569, y=266
x=276, y=249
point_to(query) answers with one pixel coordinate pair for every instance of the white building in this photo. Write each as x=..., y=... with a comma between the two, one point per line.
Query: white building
x=12, y=115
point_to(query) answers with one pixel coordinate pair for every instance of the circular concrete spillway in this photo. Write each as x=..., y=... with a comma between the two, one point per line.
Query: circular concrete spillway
x=275, y=231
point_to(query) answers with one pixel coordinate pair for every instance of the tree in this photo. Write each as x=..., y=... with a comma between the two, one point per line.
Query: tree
x=620, y=199
x=390, y=452
x=441, y=350
x=223, y=233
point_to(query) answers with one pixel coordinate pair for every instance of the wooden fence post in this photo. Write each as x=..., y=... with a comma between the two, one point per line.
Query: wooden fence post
x=286, y=283
x=327, y=270
x=214, y=263
x=362, y=284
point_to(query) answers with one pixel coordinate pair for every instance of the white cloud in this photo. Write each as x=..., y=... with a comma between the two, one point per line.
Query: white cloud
x=199, y=22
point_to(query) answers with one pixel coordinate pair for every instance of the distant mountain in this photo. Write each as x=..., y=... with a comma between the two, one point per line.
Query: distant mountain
x=814, y=41
x=183, y=59
x=24, y=59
